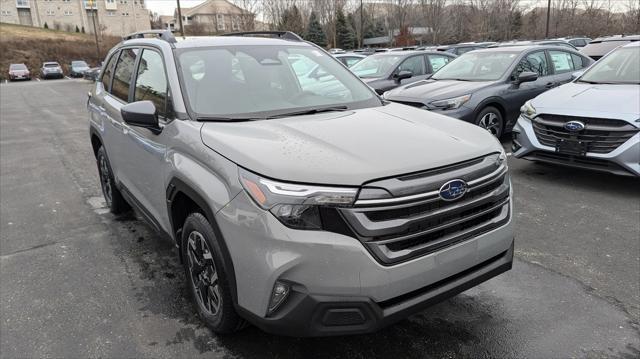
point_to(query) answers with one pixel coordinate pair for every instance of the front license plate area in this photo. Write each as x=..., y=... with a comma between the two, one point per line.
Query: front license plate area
x=575, y=148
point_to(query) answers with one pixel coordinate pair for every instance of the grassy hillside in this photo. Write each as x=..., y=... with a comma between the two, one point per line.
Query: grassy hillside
x=33, y=46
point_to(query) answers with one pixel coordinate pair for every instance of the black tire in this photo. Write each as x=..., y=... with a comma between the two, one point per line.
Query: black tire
x=491, y=120
x=211, y=298
x=112, y=195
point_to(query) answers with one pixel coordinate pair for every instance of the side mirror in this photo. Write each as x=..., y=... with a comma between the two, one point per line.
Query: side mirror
x=404, y=74
x=576, y=74
x=141, y=114
x=527, y=76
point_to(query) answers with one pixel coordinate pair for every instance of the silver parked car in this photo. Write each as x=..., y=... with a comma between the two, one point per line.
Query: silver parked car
x=51, y=70
x=303, y=209
x=592, y=122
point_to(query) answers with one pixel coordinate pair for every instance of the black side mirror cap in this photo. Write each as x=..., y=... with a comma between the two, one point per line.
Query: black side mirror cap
x=526, y=76
x=141, y=114
x=403, y=75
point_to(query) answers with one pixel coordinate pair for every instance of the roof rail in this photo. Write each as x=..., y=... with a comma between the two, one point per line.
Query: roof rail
x=165, y=35
x=287, y=35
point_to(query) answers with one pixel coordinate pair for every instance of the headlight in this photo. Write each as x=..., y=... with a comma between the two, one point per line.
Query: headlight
x=451, y=103
x=527, y=110
x=295, y=205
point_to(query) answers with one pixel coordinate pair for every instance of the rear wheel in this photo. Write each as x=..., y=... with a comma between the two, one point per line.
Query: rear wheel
x=207, y=276
x=112, y=195
x=491, y=120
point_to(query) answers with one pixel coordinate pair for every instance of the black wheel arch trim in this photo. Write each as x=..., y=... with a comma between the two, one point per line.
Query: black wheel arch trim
x=95, y=132
x=488, y=102
x=178, y=186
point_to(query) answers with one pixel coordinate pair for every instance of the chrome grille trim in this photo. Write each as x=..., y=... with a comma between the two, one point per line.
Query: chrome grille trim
x=472, y=184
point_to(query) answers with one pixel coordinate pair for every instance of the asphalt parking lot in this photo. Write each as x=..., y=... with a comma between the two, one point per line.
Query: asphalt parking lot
x=76, y=281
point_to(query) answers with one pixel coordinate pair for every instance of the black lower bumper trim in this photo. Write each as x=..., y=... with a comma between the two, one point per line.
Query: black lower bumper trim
x=305, y=315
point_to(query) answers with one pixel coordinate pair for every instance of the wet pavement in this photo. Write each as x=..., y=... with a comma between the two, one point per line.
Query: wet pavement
x=76, y=281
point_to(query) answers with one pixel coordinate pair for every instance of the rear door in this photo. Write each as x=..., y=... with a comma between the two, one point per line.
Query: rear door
x=436, y=62
x=113, y=101
x=563, y=66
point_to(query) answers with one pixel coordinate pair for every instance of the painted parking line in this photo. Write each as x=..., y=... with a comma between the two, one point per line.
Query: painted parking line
x=6, y=81
x=509, y=154
x=67, y=77
x=38, y=79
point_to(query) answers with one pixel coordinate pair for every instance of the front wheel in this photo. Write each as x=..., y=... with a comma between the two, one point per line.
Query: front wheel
x=491, y=120
x=207, y=276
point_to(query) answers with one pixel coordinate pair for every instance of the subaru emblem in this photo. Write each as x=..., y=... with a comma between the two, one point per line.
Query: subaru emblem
x=453, y=190
x=574, y=126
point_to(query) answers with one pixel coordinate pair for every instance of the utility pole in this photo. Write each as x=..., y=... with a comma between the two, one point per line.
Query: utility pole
x=180, y=19
x=361, y=27
x=546, y=32
x=94, y=7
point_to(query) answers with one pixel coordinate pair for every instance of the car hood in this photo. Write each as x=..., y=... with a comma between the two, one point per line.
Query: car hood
x=430, y=90
x=348, y=148
x=587, y=100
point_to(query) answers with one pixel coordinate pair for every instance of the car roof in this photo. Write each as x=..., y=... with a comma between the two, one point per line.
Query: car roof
x=515, y=48
x=632, y=44
x=617, y=38
x=50, y=63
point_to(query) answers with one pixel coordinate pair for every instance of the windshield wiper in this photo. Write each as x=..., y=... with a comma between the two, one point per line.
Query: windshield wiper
x=310, y=111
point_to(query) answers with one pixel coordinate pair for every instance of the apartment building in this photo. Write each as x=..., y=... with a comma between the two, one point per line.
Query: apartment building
x=113, y=17
x=214, y=16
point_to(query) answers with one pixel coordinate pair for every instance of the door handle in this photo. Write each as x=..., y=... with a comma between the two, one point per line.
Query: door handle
x=550, y=85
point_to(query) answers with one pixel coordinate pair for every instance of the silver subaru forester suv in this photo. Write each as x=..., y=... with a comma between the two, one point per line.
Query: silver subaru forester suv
x=305, y=206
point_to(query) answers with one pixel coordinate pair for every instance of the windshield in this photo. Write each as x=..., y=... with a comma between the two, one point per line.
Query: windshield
x=244, y=82
x=477, y=66
x=79, y=64
x=17, y=67
x=51, y=64
x=620, y=67
x=375, y=66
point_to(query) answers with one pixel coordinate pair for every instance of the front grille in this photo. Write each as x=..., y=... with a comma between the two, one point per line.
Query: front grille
x=599, y=136
x=409, y=225
x=412, y=104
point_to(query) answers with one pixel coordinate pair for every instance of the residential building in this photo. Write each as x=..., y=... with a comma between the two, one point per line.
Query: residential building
x=113, y=17
x=214, y=16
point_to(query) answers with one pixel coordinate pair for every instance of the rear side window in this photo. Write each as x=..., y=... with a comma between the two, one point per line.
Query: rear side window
x=437, y=61
x=562, y=61
x=151, y=82
x=108, y=71
x=535, y=62
x=122, y=74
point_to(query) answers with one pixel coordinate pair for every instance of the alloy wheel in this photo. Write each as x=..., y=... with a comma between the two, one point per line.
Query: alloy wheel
x=491, y=123
x=203, y=274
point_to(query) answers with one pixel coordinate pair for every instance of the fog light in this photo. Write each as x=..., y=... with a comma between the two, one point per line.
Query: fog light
x=278, y=295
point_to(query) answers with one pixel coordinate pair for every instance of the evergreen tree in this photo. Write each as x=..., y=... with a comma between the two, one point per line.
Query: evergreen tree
x=77, y=28
x=291, y=20
x=315, y=33
x=46, y=26
x=345, y=35
x=82, y=30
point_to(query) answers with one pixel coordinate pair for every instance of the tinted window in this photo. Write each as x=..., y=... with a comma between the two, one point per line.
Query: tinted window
x=462, y=50
x=108, y=70
x=438, y=61
x=415, y=64
x=375, y=65
x=17, y=67
x=122, y=74
x=578, y=61
x=562, y=61
x=151, y=82
x=535, y=62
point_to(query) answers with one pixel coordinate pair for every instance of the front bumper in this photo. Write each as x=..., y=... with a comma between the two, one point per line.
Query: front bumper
x=462, y=113
x=337, y=286
x=624, y=160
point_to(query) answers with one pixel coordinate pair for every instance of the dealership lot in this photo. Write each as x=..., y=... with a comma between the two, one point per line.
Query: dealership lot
x=76, y=281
